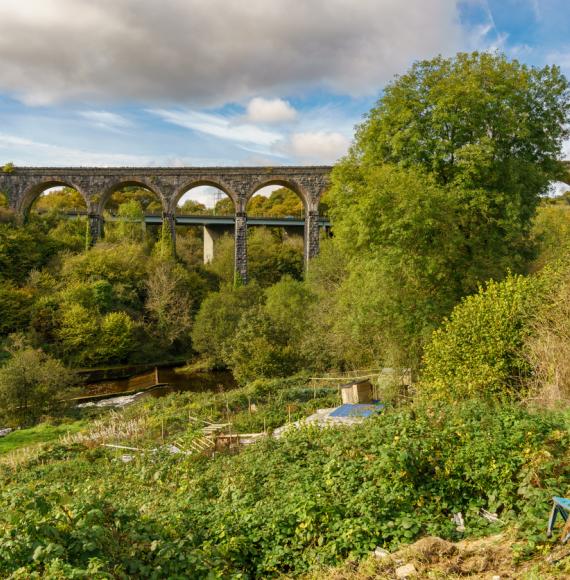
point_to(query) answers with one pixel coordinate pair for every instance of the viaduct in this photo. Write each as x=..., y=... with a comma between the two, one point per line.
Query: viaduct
x=23, y=185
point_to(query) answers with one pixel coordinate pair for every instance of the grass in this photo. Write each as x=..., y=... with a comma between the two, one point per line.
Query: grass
x=43, y=433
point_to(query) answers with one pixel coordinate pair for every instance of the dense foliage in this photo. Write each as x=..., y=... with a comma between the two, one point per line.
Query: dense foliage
x=439, y=190
x=479, y=351
x=432, y=209
x=31, y=382
x=312, y=498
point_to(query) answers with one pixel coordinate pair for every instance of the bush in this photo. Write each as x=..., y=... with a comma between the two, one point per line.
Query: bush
x=30, y=383
x=218, y=318
x=548, y=347
x=478, y=351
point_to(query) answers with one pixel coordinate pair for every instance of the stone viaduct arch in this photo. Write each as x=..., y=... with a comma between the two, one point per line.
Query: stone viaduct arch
x=23, y=185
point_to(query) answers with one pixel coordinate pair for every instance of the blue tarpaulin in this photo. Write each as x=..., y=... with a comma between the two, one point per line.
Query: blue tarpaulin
x=357, y=410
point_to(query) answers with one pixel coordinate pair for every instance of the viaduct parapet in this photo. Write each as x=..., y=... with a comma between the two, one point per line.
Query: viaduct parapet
x=23, y=185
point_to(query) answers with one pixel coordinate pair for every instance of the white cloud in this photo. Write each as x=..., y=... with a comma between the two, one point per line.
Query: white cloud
x=106, y=120
x=22, y=151
x=218, y=126
x=208, y=53
x=319, y=146
x=260, y=110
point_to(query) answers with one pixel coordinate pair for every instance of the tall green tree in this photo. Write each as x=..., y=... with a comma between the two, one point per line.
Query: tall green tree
x=438, y=194
x=491, y=126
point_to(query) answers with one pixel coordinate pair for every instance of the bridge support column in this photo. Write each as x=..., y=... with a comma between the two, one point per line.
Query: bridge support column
x=94, y=228
x=169, y=232
x=211, y=235
x=240, y=265
x=311, y=236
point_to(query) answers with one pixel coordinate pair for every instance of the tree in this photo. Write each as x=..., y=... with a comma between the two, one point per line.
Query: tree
x=78, y=333
x=218, y=319
x=130, y=223
x=30, y=382
x=62, y=199
x=24, y=249
x=15, y=305
x=400, y=231
x=271, y=255
x=267, y=341
x=123, y=266
x=116, y=339
x=191, y=207
x=492, y=126
x=281, y=202
x=147, y=200
x=224, y=207
x=438, y=193
x=169, y=302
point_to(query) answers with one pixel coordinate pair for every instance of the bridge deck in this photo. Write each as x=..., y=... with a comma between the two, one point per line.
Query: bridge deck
x=221, y=220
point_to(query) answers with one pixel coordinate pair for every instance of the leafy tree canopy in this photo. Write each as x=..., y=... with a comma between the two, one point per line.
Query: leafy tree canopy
x=490, y=126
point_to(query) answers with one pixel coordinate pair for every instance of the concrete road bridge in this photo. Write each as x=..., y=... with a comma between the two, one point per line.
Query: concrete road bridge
x=23, y=185
x=215, y=226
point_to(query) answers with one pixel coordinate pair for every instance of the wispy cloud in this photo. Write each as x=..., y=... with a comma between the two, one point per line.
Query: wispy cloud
x=23, y=151
x=218, y=126
x=106, y=120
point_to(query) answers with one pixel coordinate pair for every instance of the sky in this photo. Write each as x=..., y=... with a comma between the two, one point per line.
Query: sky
x=230, y=82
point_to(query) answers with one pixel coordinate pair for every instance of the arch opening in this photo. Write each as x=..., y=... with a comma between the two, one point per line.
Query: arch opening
x=132, y=211
x=275, y=249
x=53, y=196
x=203, y=240
x=276, y=201
x=60, y=209
x=132, y=191
x=58, y=198
x=204, y=198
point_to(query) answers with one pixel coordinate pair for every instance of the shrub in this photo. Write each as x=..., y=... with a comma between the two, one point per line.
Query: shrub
x=15, y=305
x=30, y=382
x=478, y=351
x=548, y=347
x=281, y=507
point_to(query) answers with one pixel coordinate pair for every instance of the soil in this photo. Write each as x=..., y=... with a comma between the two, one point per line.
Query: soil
x=490, y=558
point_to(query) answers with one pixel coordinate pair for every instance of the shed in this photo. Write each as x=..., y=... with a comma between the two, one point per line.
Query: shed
x=357, y=392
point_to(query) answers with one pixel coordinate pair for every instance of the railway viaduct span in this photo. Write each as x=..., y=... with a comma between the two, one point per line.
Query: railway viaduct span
x=23, y=185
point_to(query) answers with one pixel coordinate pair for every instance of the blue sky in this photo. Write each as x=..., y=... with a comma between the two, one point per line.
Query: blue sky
x=190, y=82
